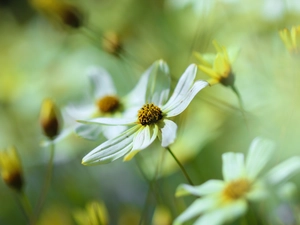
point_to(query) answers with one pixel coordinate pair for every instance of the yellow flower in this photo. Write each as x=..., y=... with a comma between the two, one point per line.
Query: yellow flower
x=55, y=9
x=50, y=119
x=291, y=39
x=11, y=170
x=218, y=67
x=95, y=214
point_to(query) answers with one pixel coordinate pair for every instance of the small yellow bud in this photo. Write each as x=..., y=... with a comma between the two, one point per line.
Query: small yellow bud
x=111, y=43
x=50, y=119
x=11, y=171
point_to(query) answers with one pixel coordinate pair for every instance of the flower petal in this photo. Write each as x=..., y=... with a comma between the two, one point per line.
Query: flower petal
x=259, y=154
x=196, y=208
x=158, y=86
x=224, y=214
x=209, y=72
x=112, y=131
x=209, y=187
x=168, y=132
x=233, y=166
x=284, y=170
x=181, y=103
x=89, y=131
x=145, y=137
x=110, y=121
x=101, y=82
x=111, y=149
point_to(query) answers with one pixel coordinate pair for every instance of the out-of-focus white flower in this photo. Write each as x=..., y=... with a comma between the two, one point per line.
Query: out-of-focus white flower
x=152, y=120
x=223, y=201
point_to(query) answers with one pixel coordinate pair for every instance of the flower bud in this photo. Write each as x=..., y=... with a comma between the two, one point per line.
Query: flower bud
x=11, y=171
x=50, y=119
x=111, y=43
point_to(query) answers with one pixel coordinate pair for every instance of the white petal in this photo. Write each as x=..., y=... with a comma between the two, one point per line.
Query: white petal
x=158, y=86
x=111, y=149
x=112, y=131
x=89, y=131
x=144, y=137
x=209, y=187
x=196, y=208
x=168, y=132
x=110, y=121
x=259, y=154
x=101, y=82
x=179, y=104
x=258, y=192
x=233, y=166
x=284, y=170
x=83, y=111
x=224, y=214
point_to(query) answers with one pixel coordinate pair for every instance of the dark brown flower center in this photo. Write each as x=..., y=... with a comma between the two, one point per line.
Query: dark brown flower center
x=149, y=114
x=108, y=104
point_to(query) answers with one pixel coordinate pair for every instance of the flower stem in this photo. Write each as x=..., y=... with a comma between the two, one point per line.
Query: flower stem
x=46, y=184
x=181, y=167
x=26, y=206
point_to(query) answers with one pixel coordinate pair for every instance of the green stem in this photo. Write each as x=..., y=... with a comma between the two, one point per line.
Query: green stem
x=27, y=207
x=46, y=184
x=181, y=167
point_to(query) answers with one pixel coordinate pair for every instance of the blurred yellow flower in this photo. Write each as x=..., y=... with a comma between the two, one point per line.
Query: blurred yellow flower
x=291, y=39
x=161, y=216
x=94, y=214
x=50, y=119
x=11, y=170
x=55, y=9
x=218, y=67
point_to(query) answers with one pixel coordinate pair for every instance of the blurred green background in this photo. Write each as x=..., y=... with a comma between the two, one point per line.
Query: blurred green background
x=43, y=56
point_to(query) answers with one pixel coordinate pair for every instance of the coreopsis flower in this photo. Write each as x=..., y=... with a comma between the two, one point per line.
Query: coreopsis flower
x=50, y=119
x=95, y=214
x=224, y=201
x=11, y=169
x=218, y=67
x=66, y=14
x=107, y=102
x=151, y=121
x=291, y=39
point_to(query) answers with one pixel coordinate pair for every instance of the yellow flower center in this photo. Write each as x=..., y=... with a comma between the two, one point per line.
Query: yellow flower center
x=149, y=114
x=236, y=189
x=108, y=104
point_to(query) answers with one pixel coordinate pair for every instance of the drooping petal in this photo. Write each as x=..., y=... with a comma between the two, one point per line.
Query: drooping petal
x=158, y=86
x=209, y=187
x=111, y=149
x=101, y=82
x=145, y=137
x=283, y=170
x=259, y=154
x=110, y=121
x=168, y=132
x=89, y=131
x=233, y=166
x=184, y=84
x=196, y=208
x=181, y=103
x=223, y=214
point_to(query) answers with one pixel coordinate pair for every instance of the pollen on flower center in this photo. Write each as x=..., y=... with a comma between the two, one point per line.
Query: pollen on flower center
x=149, y=114
x=108, y=104
x=236, y=189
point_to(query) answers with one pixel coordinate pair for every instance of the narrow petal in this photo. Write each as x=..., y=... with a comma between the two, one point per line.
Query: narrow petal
x=209, y=187
x=180, y=104
x=259, y=154
x=111, y=149
x=284, y=170
x=145, y=137
x=196, y=208
x=233, y=166
x=206, y=60
x=224, y=214
x=184, y=84
x=158, y=86
x=101, y=82
x=209, y=72
x=110, y=121
x=89, y=131
x=168, y=132
x=130, y=155
x=112, y=131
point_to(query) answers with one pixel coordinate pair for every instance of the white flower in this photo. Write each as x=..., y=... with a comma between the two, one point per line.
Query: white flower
x=106, y=102
x=224, y=201
x=152, y=120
